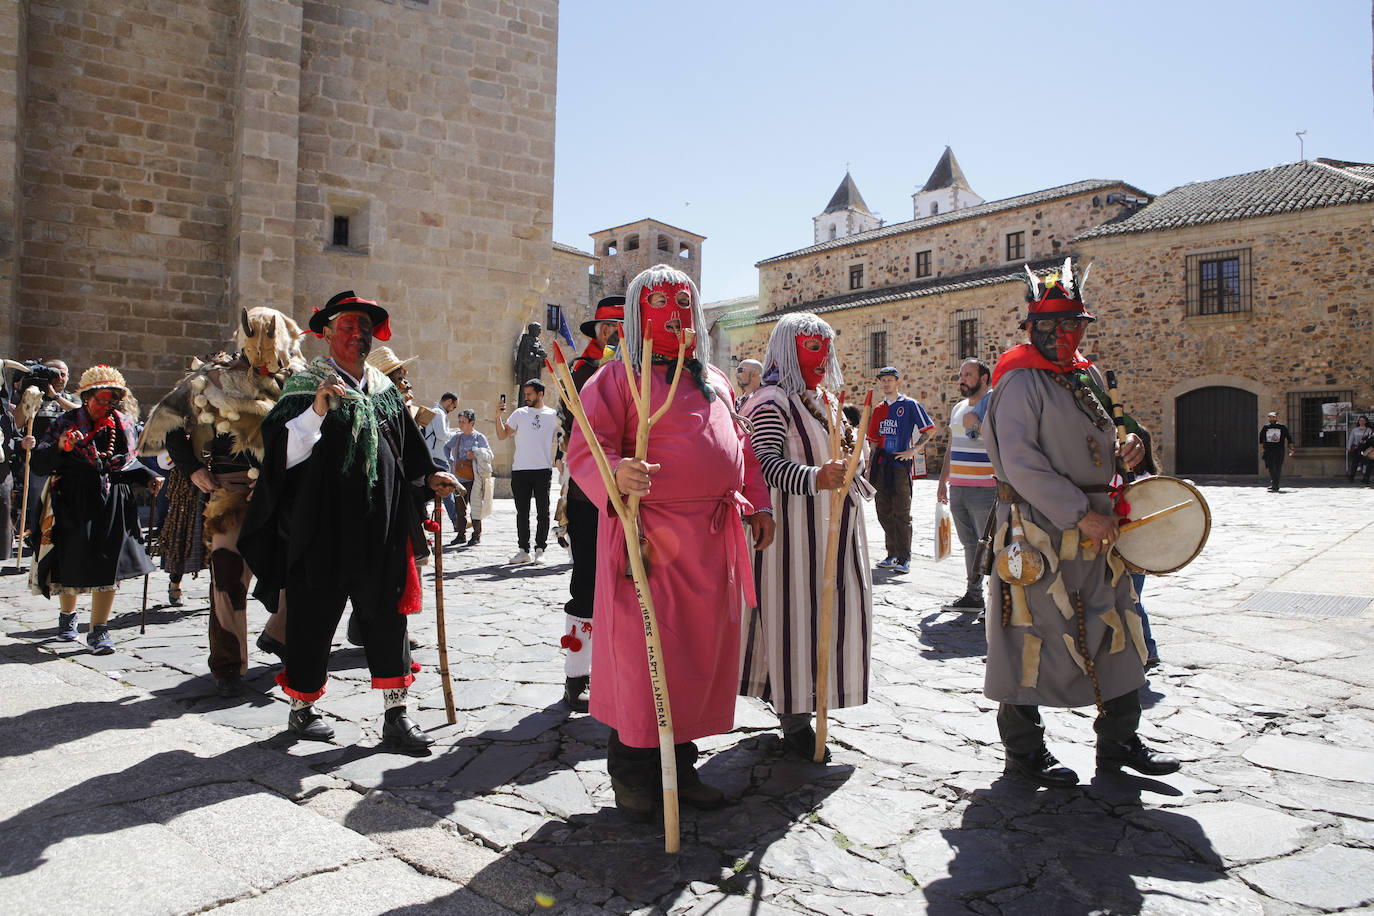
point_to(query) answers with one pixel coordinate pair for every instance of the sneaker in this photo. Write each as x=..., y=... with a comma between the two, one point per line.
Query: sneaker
x=886, y=562
x=538, y=555
x=66, y=626
x=901, y=565
x=521, y=557
x=968, y=604
x=99, y=640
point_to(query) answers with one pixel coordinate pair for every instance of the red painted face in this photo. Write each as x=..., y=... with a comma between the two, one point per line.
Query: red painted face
x=812, y=351
x=351, y=337
x=663, y=310
x=100, y=404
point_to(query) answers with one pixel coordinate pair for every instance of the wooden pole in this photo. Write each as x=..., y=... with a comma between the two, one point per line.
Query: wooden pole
x=1145, y=519
x=832, y=559
x=449, y=711
x=629, y=524
x=31, y=403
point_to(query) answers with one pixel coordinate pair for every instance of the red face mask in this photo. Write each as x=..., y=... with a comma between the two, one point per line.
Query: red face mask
x=99, y=406
x=659, y=305
x=812, y=362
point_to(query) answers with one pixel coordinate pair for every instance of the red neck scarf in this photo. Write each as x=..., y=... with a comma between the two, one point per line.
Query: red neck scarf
x=1026, y=356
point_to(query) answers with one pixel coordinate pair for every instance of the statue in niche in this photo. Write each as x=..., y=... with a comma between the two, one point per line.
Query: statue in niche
x=529, y=355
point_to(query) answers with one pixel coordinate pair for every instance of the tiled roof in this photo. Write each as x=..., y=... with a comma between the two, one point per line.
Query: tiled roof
x=559, y=246
x=934, y=286
x=975, y=212
x=1282, y=189
x=947, y=174
x=847, y=197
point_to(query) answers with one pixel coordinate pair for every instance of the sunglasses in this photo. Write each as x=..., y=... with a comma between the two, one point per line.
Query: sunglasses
x=1045, y=325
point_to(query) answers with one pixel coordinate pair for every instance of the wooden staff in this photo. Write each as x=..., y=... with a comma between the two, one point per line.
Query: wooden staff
x=31, y=401
x=832, y=556
x=439, y=610
x=628, y=513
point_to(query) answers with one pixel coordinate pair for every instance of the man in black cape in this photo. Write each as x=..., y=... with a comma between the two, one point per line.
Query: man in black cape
x=336, y=516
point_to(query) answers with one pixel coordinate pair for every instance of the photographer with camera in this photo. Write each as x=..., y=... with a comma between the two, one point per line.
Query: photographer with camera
x=49, y=377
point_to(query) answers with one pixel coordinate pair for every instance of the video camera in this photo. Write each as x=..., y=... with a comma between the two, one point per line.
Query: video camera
x=21, y=375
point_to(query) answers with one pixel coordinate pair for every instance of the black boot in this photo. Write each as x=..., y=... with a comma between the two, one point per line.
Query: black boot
x=575, y=693
x=272, y=646
x=1040, y=767
x=308, y=724
x=399, y=731
x=1113, y=755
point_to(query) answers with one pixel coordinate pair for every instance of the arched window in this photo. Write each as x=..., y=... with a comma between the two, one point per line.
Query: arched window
x=832, y=232
x=934, y=207
x=632, y=242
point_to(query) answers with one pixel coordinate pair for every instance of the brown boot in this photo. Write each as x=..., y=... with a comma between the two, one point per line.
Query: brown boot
x=692, y=791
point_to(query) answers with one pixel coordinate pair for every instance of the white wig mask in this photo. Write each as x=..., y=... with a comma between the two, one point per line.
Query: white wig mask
x=781, y=356
x=648, y=279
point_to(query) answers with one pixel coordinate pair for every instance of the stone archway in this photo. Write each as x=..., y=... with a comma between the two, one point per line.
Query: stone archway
x=1167, y=445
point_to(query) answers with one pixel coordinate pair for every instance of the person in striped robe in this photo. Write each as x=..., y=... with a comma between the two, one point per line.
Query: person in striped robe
x=791, y=437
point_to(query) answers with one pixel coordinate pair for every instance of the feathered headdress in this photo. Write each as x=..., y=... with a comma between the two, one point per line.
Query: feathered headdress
x=1061, y=295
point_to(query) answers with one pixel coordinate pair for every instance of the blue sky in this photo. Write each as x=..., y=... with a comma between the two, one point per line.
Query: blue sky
x=736, y=120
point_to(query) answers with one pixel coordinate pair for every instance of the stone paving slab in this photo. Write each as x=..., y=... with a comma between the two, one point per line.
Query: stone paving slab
x=1274, y=716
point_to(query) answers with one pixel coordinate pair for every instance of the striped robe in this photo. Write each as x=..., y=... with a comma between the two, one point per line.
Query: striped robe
x=778, y=647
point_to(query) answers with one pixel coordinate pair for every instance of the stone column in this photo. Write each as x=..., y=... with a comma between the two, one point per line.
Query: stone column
x=262, y=218
x=13, y=26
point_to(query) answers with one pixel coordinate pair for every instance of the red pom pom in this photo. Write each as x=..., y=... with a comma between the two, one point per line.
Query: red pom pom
x=1123, y=508
x=431, y=525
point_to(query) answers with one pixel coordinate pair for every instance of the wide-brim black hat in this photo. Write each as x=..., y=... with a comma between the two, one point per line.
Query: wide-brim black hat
x=611, y=308
x=348, y=301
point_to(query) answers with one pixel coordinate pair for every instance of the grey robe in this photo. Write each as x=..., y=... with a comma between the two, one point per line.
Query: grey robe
x=1040, y=442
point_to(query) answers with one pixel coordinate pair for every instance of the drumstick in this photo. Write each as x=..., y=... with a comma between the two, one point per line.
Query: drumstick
x=1144, y=520
x=832, y=562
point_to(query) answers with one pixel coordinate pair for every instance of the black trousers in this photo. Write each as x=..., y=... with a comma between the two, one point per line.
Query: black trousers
x=1024, y=733
x=583, y=518
x=1275, y=466
x=638, y=767
x=523, y=485
x=315, y=613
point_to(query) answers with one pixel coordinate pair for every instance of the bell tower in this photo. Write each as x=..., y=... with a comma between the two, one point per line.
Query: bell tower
x=846, y=214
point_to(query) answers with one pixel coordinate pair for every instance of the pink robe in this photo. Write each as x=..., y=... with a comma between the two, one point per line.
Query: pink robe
x=699, y=556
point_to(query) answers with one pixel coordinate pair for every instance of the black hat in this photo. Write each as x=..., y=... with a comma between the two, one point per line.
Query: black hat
x=612, y=308
x=348, y=301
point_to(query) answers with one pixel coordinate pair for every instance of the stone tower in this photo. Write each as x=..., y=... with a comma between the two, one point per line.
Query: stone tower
x=169, y=163
x=846, y=214
x=946, y=189
x=624, y=251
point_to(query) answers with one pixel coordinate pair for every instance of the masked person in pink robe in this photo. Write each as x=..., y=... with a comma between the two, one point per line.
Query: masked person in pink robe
x=701, y=485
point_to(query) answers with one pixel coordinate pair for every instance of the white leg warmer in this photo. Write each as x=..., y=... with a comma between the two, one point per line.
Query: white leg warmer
x=577, y=639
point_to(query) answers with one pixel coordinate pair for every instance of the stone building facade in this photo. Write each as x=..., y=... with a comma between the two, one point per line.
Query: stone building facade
x=1299, y=336
x=171, y=163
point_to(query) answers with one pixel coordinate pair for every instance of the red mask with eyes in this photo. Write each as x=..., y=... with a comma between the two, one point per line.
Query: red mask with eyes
x=812, y=362
x=660, y=304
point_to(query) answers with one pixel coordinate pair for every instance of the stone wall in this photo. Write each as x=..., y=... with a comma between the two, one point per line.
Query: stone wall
x=957, y=246
x=570, y=287
x=181, y=160
x=13, y=62
x=1311, y=326
x=126, y=143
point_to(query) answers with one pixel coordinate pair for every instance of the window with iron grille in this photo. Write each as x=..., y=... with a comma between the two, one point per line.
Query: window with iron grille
x=1016, y=246
x=876, y=333
x=856, y=277
x=1218, y=282
x=341, y=231
x=964, y=335
x=1304, y=419
x=923, y=263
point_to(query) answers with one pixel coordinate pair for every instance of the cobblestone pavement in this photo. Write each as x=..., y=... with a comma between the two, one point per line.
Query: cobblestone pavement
x=127, y=785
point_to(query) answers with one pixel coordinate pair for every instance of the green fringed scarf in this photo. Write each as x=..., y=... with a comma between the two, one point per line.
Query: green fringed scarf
x=359, y=410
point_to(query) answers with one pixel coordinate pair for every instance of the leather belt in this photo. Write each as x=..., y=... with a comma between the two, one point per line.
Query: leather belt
x=1006, y=493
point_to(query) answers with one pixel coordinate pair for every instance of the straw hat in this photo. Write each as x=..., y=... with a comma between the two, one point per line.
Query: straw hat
x=385, y=361
x=102, y=376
